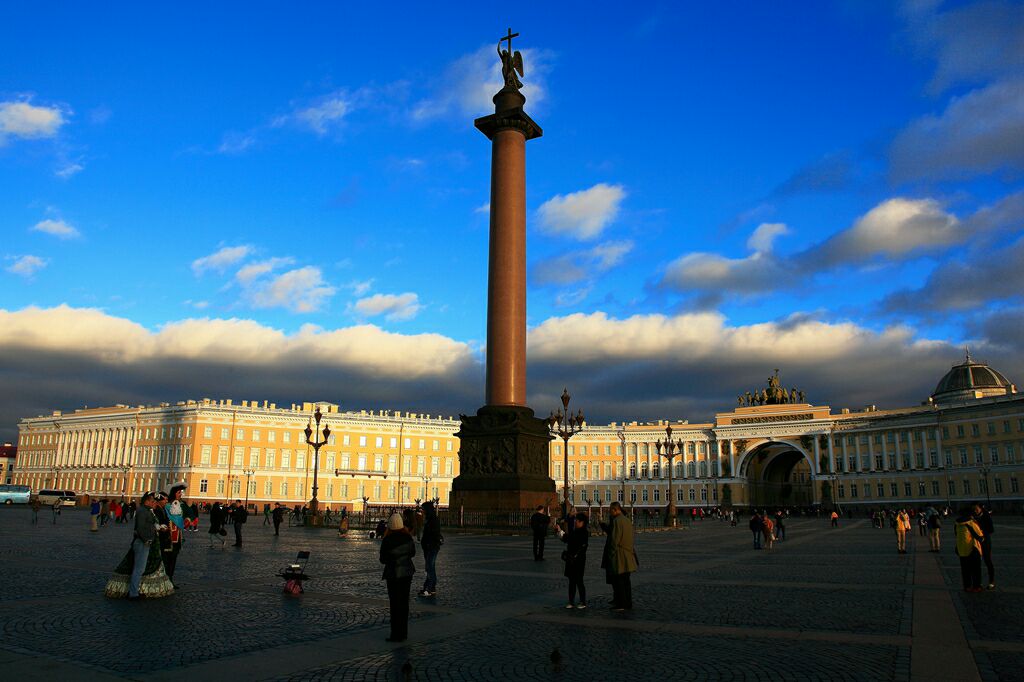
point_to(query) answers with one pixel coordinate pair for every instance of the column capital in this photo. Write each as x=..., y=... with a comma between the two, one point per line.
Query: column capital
x=516, y=119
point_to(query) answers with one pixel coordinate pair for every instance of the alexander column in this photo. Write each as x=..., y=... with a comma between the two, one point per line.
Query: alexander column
x=503, y=453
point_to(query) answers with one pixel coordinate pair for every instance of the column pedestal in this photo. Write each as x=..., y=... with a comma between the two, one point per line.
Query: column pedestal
x=503, y=461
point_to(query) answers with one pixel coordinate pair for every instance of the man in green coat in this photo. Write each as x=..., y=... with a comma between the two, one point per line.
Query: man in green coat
x=619, y=559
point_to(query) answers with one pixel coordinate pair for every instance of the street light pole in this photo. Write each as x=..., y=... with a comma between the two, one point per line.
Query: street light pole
x=564, y=425
x=125, y=470
x=312, y=439
x=672, y=449
x=248, y=474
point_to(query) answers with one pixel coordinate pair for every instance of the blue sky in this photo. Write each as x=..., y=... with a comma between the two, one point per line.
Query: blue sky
x=811, y=186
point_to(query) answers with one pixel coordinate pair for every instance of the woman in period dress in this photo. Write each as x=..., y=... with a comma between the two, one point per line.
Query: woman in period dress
x=155, y=582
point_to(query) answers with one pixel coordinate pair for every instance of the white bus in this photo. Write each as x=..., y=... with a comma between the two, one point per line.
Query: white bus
x=67, y=498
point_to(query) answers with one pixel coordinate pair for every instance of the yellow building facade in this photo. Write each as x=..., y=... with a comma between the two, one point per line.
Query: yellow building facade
x=251, y=450
x=965, y=443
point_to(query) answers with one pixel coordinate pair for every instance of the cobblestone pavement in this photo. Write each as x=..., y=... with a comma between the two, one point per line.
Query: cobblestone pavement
x=824, y=605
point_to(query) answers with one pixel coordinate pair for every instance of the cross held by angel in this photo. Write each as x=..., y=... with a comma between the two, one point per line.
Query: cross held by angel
x=511, y=62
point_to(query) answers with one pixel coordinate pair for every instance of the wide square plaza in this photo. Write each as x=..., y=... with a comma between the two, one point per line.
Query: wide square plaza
x=826, y=604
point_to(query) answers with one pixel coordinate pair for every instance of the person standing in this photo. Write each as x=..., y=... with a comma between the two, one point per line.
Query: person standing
x=835, y=518
x=901, y=522
x=768, y=527
x=36, y=506
x=217, y=523
x=396, y=553
x=922, y=524
x=431, y=541
x=780, y=526
x=968, y=548
x=934, y=531
x=175, y=511
x=278, y=517
x=619, y=558
x=141, y=572
x=104, y=511
x=266, y=513
x=575, y=555
x=984, y=521
x=239, y=515
x=539, y=523
x=94, y=515
x=756, y=526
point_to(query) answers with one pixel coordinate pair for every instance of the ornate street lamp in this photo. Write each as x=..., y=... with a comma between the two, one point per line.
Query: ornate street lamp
x=125, y=470
x=312, y=440
x=669, y=449
x=564, y=425
x=366, y=500
x=248, y=474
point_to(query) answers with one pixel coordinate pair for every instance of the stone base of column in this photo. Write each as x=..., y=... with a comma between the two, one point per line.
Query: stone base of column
x=503, y=461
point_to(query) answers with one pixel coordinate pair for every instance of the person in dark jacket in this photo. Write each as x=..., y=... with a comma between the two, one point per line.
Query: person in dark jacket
x=396, y=553
x=431, y=541
x=575, y=555
x=217, y=523
x=984, y=520
x=239, y=515
x=278, y=516
x=756, y=527
x=539, y=523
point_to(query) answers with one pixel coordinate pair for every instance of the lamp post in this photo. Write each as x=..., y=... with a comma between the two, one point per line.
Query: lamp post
x=248, y=474
x=985, y=471
x=125, y=470
x=564, y=425
x=312, y=439
x=426, y=478
x=55, y=470
x=366, y=499
x=669, y=449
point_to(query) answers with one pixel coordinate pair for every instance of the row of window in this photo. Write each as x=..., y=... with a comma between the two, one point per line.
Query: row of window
x=932, y=491
x=346, y=439
x=327, y=460
x=374, y=491
x=593, y=470
x=683, y=494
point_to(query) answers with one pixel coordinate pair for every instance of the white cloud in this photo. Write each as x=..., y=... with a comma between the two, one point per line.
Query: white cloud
x=96, y=334
x=483, y=208
x=360, y=288
x=757, y=274
x=58, y=228
x=980, y=132
x=584, y=214
x=221, y=259
x=236, y=143
x=302, y=290
x=26, y=266
x=21, y=119
x=395, y=307
x=249, y=273
x=895, y=228
x=198, y=305
x=574, y=267
x=68, y=169
x=468, y=84
x=328, y=113
x=763, y=237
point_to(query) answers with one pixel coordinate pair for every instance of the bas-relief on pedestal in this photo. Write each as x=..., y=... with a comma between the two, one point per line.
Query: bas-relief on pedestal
x=503, y=461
